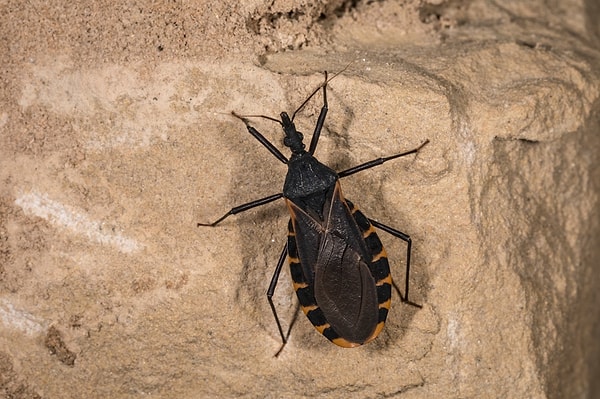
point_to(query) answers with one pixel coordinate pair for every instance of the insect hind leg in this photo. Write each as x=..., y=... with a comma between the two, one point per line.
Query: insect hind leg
x=406, y=238
x=271, y=291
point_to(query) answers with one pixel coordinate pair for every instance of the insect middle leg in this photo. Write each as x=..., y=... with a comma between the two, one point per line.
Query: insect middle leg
x=405, y=238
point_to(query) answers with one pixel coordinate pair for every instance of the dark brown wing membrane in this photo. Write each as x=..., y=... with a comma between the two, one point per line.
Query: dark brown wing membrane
x=345, y=290
x=342, y=280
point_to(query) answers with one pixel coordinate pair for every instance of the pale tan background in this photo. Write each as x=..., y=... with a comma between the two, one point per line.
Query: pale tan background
x=115, y=140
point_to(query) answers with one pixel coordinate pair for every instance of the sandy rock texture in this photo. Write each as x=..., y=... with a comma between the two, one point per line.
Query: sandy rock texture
x=116, y=140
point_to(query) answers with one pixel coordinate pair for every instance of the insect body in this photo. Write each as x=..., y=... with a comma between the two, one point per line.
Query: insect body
x=344, y=287
x=338, y=265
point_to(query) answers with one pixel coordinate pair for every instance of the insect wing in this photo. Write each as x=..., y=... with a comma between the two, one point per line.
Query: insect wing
x=345, y=290
x=330, y=266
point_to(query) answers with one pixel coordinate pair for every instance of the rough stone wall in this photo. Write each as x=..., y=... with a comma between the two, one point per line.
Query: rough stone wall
x=116, y=139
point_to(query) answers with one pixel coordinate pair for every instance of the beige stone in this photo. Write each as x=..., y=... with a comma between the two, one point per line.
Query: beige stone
x=116, y=139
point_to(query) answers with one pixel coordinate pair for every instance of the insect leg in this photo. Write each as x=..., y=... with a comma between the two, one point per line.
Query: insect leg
x=244, y=207
x=379, y=161
x=315, y=138
x=271, y=291
x=262, y=139
x=405, y=238
x=317, y=133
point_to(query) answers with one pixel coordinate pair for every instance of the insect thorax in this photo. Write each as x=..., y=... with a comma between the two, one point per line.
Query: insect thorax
x=307, y=183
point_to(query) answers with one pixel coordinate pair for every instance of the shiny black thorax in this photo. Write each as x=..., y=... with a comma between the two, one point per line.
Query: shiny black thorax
x=309, y=184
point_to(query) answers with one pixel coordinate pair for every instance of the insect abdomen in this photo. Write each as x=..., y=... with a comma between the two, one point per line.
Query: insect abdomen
x=378, y=268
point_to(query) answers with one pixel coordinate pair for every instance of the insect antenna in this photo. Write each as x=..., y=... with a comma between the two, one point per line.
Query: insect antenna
x=317, y=90
x=262, y=139
x=244, y=118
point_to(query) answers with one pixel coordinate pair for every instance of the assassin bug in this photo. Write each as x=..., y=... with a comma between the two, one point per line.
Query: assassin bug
x=338, y=265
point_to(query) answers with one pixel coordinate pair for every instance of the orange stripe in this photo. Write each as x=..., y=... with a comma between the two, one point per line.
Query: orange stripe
x=368, y=232
x=307, y=309
x=297, y=286
x=380, y=255
x=345, y=343
x=387, y=279
x=322, y=328
x=293, y=260
x=387, y=304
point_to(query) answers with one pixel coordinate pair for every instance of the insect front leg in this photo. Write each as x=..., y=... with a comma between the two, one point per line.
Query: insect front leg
x=405, y=238
x=244, y=207
x=317, y=133
x=379, y=161
x=321, y=120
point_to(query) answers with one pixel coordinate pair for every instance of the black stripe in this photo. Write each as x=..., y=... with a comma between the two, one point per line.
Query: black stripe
x=292, y=248
x=362, y=221
x=383, y=312
x=296, y=272
x=380, y=269
x=306, y=296
x=374, y=244
x=384, y=292
x=330, y=334
x=350, y=205
x=316, y=317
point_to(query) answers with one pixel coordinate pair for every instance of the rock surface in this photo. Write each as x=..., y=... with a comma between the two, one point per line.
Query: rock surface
x=116, y=139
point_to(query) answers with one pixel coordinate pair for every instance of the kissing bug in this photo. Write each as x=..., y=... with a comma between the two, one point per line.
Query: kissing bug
x=338, y=265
